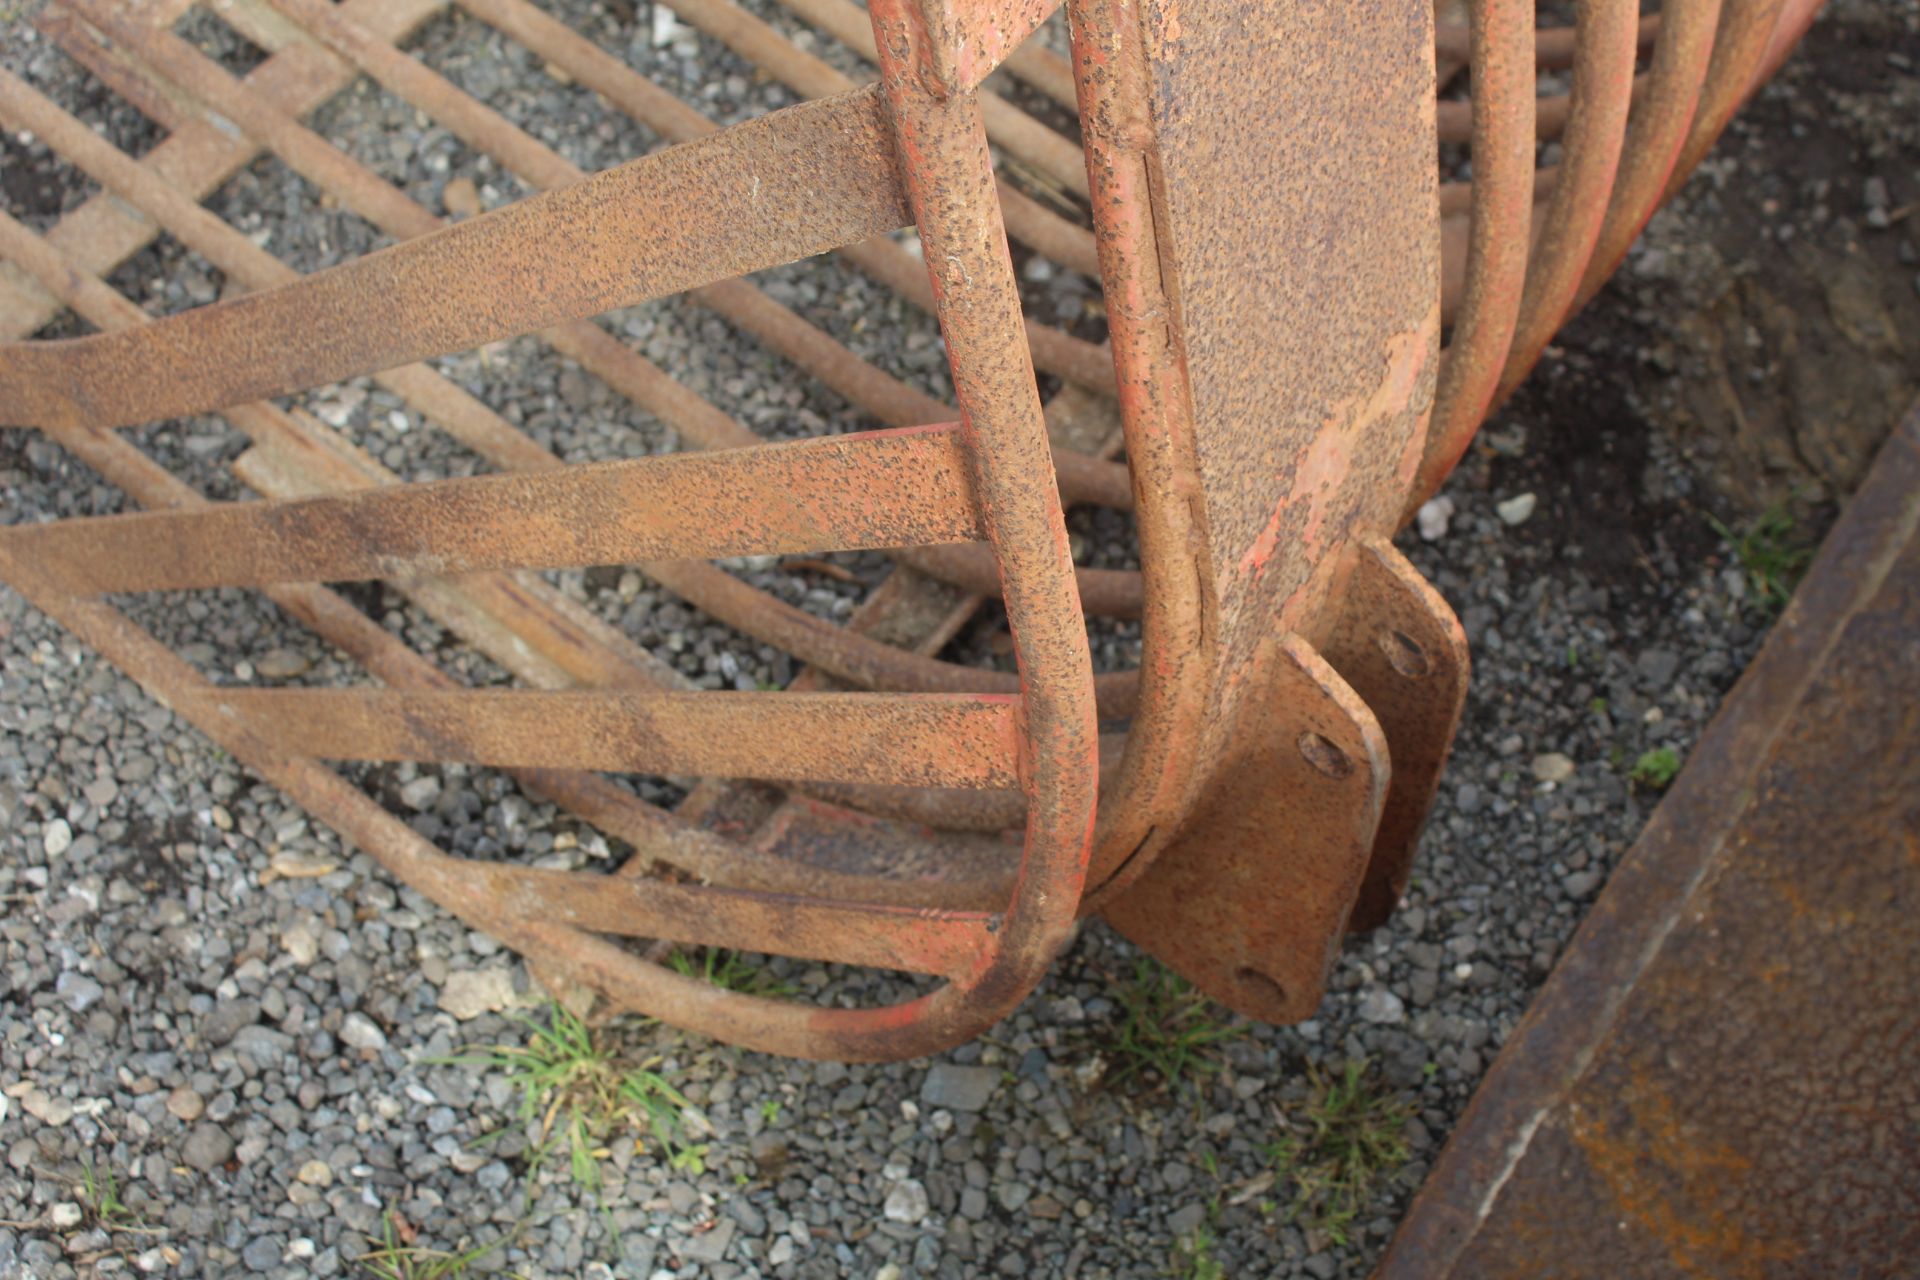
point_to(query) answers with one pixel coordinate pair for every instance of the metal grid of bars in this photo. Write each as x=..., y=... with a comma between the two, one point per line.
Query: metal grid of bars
x=967, y=515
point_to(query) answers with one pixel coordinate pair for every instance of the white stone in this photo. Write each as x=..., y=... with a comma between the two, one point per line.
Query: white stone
x=1433, y=518
x=907, y=1203
x=468, y=993
x=1515, y=510
x=1552, y=767
x=300, y=945
x=358, y=1030
x=58, y=838
x=66, y=1215
x=1383, y=1006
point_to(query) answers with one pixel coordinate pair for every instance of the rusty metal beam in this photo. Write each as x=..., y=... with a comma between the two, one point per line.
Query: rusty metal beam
x=1722, y=1074
x=874, y=489
x=509, y=272
x=919, y=740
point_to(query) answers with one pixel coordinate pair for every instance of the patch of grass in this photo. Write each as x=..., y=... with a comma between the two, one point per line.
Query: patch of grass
x=99, y=1193
x=1342, y=1149
x=729, y=970
x=1193, y=1257
x=1656, y=768
x=582, y=1093
x=398, y=1258
x=769, y=1110
x=1168, y=1034
x=1770, y=553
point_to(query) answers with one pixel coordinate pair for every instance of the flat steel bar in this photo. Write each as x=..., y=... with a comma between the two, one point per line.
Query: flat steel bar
x=1498, y=238
x=916, y=1027
x=1553, y=46
x=1657, y=131
x=1082, y=478
x=1740, y=50
x=1564, y=236
x=1055, y=352
x=1152, y=790
x=869, y=490
x=525, y=625
x=1010, y=128
x=588, y=650
x=911, y=940
x=619, y=238
x=102, y=233
x=894, y=739
x=948, y=172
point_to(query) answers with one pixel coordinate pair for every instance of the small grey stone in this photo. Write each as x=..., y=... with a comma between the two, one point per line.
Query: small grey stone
x=207, y=1148
x=907, y=1203
x=420, y=793
x=315, y=1173
x=1321, y=1266
x=768, y=1149
x=263, y=1254
x=1581, y=883
x=220, y=1026
x=748, y=1215
x=1013, y=1195
x=683, y=1198
x=468, y=993
x=710, y=1246
x=973, y=1203
x=185, y=1104
x=77, y=990
x=1184, y=1219
x=1657, y=667
x=959, y=1088
x=263, y=1044
x=1552, y=767
x=281, y=664
x=1176, y=1175
x=357, y=1030
x=1383, y=1006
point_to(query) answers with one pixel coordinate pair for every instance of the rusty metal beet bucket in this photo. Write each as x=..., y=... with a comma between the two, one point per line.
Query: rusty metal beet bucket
x=1279, y=259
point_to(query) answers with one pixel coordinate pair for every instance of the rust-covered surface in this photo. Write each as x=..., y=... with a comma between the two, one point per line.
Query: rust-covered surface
x=1255, y=188
x=1722, y=1076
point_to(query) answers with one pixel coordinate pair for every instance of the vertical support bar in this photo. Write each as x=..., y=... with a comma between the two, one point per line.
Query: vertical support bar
x=1150, y=798
x=948, y=171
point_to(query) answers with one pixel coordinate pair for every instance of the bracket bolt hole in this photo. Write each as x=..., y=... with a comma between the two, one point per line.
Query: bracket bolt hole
x=1264, y=988
x=1404, y=654
x=1324, y=756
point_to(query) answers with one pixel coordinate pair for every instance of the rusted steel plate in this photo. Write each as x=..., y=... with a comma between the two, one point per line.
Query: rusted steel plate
x=903, y=739
x=722, y=206
x=1722, y=1076
x=1250, y=901
x=874, y=489
x=1399, y=647
x=1331, y=350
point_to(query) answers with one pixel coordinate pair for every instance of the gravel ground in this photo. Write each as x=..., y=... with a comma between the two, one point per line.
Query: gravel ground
x=240, y=1022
